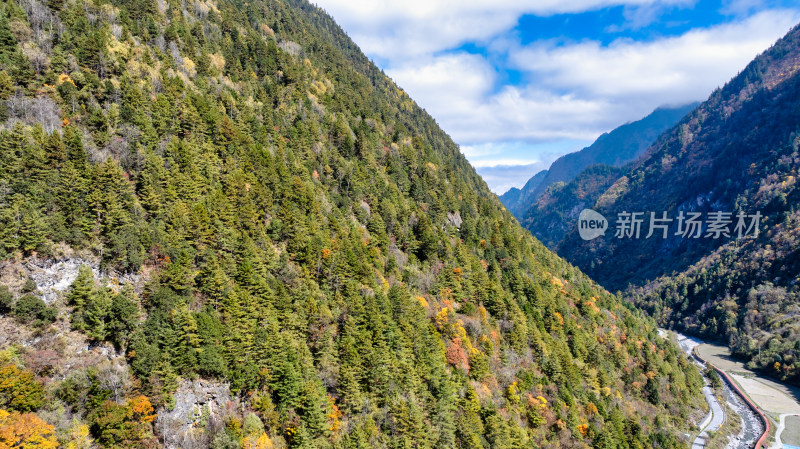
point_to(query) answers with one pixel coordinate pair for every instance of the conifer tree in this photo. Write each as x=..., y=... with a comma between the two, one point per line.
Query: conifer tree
x=80, y=296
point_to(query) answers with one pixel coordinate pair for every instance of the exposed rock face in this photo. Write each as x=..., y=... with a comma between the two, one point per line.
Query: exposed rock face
x=198, y=404
x=455, y=219
x=53, y=277
x=68, y=349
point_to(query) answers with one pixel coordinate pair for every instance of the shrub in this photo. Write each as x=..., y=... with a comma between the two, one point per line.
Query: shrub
x=6, y=300
x=31, y=309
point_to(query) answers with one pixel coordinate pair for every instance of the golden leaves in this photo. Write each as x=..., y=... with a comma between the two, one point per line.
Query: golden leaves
x=25, y=430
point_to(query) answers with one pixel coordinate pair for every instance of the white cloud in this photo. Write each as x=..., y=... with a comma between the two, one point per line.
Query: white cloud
x=741, y=7
x=500, y=178
x=507, y=164
x=456, y=89
x=390, y=29
x=607, y=86
x=465, y=76
x=677, y=69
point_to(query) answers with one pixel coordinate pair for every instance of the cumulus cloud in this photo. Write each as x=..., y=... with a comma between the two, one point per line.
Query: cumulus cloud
x=507, y=164
x=390, y=29
x=580, y=90
x=457, y=90
x=681, y=68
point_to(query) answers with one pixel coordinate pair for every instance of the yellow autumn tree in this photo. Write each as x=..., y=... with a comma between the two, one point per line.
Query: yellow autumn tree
x=261, y=442
x=334, y=415
x=140, y=409
x=79, y=436
x=25, y=430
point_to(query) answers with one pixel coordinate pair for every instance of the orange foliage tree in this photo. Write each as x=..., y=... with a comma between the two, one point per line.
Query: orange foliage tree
x=456, y=355
x=334, y=415
x=25, y=430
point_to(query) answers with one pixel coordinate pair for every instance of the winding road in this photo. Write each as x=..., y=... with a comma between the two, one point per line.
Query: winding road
x=716, y=414
x=755, y=401
x=751, y=426
x=778, y=401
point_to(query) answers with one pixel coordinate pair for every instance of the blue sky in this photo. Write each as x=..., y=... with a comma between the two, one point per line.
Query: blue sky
x=518, y=84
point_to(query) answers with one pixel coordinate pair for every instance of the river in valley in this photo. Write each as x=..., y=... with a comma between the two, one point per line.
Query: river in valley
x=751, y=426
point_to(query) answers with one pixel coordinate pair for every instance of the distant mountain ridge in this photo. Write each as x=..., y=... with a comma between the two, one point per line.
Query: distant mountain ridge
x=516, y=199
x=738, y=152
x=616, y=148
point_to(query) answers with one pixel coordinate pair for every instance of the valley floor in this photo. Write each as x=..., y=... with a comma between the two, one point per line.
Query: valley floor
x=730, y=422
x=780, y=402
x=716, y=413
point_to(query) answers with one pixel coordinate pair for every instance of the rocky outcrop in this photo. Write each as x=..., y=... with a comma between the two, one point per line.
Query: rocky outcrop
x=55, y=276
x=454, y=218
x=197, y=404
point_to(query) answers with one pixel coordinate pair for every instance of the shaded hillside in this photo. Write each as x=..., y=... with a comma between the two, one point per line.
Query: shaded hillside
x=279, y=248
x=615, y=148
x=737, y=153
x=556, y=211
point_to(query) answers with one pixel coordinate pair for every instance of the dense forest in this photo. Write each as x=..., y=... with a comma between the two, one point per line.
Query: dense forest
x=256, y=206
x=736, y=153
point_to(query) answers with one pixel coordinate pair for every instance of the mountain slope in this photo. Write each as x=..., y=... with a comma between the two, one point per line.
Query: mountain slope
x=556, y=210
x=737, y=152
x=616, y=148
x=279, y=248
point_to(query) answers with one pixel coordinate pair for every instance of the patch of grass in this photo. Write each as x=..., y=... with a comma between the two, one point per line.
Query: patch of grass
x=791, y=433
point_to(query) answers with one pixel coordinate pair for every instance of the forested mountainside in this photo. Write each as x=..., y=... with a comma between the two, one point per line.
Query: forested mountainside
x=555, y=212
x=736, y=153
x=222, y=226
x=615, y=148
